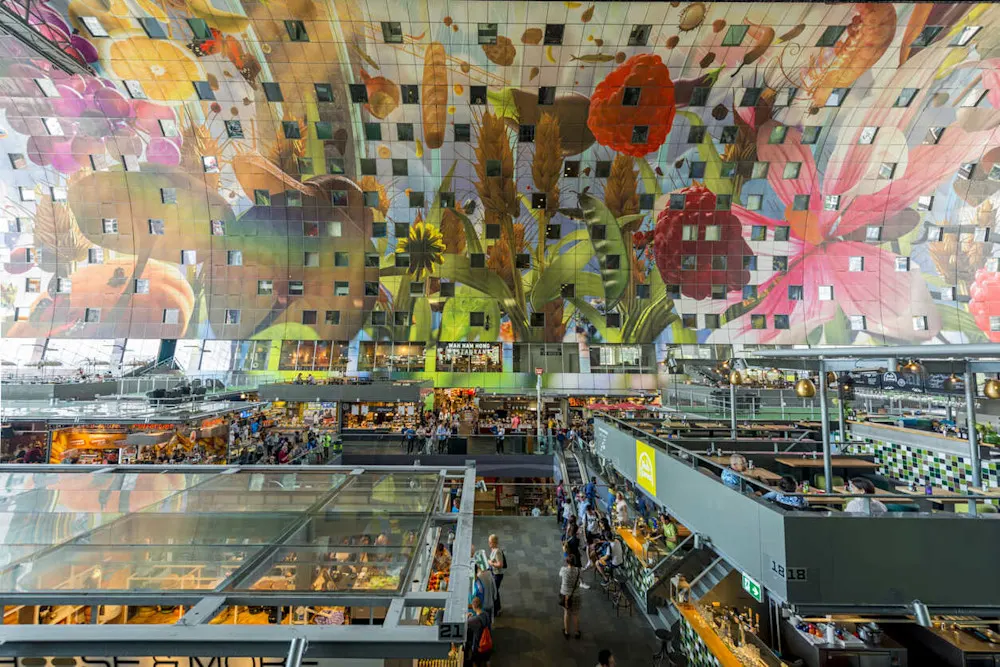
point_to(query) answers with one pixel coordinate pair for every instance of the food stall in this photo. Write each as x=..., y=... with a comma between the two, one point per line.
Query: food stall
x=469, y=357
x=380, y=416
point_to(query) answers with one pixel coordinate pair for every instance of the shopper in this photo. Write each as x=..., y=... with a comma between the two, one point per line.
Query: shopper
x=569, y=596
x=567, y=514
x=442, y=436
x=498, y=563
x=861, y=505
x=478, y=637
x=621, y=510
x=571, y=542
x=737, y=464
x=593, y=522
x=501, y=433
x=605, y=658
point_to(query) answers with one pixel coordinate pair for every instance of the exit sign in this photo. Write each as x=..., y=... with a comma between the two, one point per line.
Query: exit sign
x=753, y=588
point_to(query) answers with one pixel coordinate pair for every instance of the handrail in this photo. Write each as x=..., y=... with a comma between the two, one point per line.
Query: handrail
x=707, y=569
x=670, y=555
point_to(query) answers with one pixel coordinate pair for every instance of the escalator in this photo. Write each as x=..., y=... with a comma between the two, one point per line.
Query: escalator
x=573, y=475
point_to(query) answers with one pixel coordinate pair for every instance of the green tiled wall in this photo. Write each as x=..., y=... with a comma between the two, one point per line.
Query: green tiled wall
x=694, y=648
x=906, y=464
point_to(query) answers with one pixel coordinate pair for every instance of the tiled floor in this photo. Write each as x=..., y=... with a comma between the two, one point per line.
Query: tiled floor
x=529, y=632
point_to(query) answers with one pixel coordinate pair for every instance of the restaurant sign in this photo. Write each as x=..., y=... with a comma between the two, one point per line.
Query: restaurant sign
x=914, y=383
x=645, y=466
x=753, y=588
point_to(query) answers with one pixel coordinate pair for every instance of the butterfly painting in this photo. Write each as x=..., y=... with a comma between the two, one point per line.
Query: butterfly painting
x=244, y=61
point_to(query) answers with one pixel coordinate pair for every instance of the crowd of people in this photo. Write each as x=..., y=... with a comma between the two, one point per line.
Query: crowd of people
x=252, y=442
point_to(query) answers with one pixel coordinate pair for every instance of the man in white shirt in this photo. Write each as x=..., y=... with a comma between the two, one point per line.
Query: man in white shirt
x=864, y=505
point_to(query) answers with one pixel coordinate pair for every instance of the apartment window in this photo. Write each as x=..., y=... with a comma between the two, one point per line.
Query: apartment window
x=778, y=134
x=873, y=233
x=968, y=32
x=779, y=263
x=994, y=173
x=642, y=291
x=234, y=129
x=837, y=96
x=463, y=132
x=447, y=199
x=368, y=167
x=310, y=259
x=856, y=264
x=378, y=318
x=359, y=93
x=781, y=233
x=646, y=201
x=487, y=33
x=308, y=317
x=713, y=232
x=887, y=170
x=729, y=134
x=826, y=292
x=335, y=165
x=831, y=203
x=447, y=289
x=696, y=134
x=262, y=197
x=598, y=232
x=750, y=264
x=400, y=167
x=830, y=35
x=538, y=200
x=133, y=88
x=265, y=288
x=640, y=134
x=168, y=195
x=332, y=317
x=401, y=260
x=857, y=322
x=141, y=286
x=296, y=288
x=92, y=315
x=58, y=194
x=272, y=91
x=109, y=225
x=156, y=227
x=981, y=234
x=401, y=229
x=371, y=288
x=902, y=263
x=546, y=96
x=920, y=323
x=947, y=293
x=966, y=170
x=554, y=33
x=781, y=321
x=735, y=34
x=750, y=97
x=571, y=168
x=296, y=31
x=689, y=321
x=171, y=315
x=719, y=262
x=95, y=255
x=373, y=132
x=723, y=202
x=689, y=233
x=630, y=96
x=416, y=200
x=410, y=93
x=492, y=231
x=203, y=90
x=925, y=202
x=553, y=232
x=602, y=169
x=934, y=135
x=611, y=262
x=639, y=35
x=17, y=160
x=210, y=164
x=758, y=233
x=324, y=129
x=810, y=134
x=493, y=168
x=712, y=321
x=154, y=29
x=477, y=95
x=477, y=260
x=673, y=291
x=613, y=320
x=371, y=260
x=800, y=203
x=927, y=35
x=324, y=92
x=32, y=285
x=795, y=293
x=189, y=257
x=93, y=26
x=52, y=126
x=728, y=169
x=759, y=170
x=341, y=288
x=699, y=96
x=906, y=97
x=867, y=135
x=791, y=170
x=526, y=133
x=758, y=322
x=677, y=202
x=291, y=129
x=392, y=32
x=477, y=319
x=379, y=230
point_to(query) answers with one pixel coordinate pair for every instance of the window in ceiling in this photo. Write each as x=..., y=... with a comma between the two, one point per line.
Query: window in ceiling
x=640, y=34
x=94, y=26
x=810, y=134
x=630, y=96
x=868, y=134
x=359, y=93
x=487, y=33
x=927, y=35
x=392, y=32
x=204, y=90
x=324, y=129
x=324, y=92
x=968, y=32
x=934, y=135
x=272, y=91
x=837, y=96
x=546, y=95
x=477, y=95
x=905, y=97
x=750, y=97
x=830, y=35
x=554, y=33
x=291, y=129
x=734, y=35
x=154, y=29
x=234, y=129
x=200, y=28
x=296, y=31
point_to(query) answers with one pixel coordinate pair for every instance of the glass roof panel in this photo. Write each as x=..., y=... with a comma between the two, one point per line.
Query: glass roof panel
x=317, y=482
x=198, y=529
x=396, y=492
x=359, y=568
x=81, y=500
x=213, y=502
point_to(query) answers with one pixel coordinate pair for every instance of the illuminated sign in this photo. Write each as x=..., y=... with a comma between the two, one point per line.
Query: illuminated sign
x=645, y=466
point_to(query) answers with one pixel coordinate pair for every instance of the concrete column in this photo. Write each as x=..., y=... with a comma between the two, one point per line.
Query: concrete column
x=824, y=415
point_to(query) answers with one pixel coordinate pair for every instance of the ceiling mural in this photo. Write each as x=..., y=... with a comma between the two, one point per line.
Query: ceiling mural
x=671, y=173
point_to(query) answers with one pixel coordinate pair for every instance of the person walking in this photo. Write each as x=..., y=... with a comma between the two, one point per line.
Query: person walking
x=442, y=435
x=501, y=432
x=569, y=592
x=478, y=637
x=498, y=563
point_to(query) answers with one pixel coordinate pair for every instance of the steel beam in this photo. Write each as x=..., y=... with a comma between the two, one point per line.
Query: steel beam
x=204, y=611
x=973, y=350
x=18, y=28
x=461, y=568
x=824, y=412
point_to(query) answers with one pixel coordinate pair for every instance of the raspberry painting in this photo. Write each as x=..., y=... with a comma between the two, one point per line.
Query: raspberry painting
x=613, y=123
x=984, y=301
x=713, y=255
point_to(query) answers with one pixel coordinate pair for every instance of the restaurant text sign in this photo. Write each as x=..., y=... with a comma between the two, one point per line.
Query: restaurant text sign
x=645, y=466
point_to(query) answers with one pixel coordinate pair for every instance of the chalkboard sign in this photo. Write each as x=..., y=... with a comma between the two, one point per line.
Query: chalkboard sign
x=866, y=379
x=938, y=383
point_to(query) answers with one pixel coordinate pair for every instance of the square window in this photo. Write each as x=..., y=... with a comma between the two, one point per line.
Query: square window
x=546, y=96
x=447, y=199
x=553, y=232
x=867, y=135
x=487, y=33
x=810, y=134
x=234, y=129
x=310, y=229
x=133, y=88
x=613, y=320
x=272, y=91
x=735, y=34
x=826, y=292
x=447, y=289
x=401, y=260
x=262, y=197
x=477, y=95
x=17, y=160
x=324, y=130
x=210, y=164
x=416, y=288
x=723, y=202
x=463, y=132
x=720, y=262
x=338, y=198
x=646, y=201
x=856, y=264
x=729, y=134
x=781, y=321
x=571, y=168
x=677, y=202
x=310, y=259
x=401, y=318
x=204, y=90
x=401, y=229
x=477, y=260
x=32, y=285
x=902, y=263
x=981, y=234
x=378, y=318
x=308, y=317
x=640, y=134
x=93, y=26
x=291, y=129
x=392, y=32
x=372, y=260
x=712, y=321
x=759, y=170
x=538, y=200
x=934, y=135
x=373, y=132
x=791, y=171
x=639, y=35
x=598, y=232
x=341, y=288
x=538, y=319
x=141, y=286
x=296, y=288
x=492, y=231
x=966, y=169
x=265, y=287
x=335, y=165
x=493, y=168
x=359, y=93
x=404, y=131
x=713, y=232
x=296, y=31
x=332, y=317
x=873, y=233
x=778, y=134
x=602, y=169
x=92, y=315
x=857, y=322
x=324, y=92
x=779, y=263
x=795, y=293
x=59, y=194
x=994, y=173
x=567, y=290
x=673, y=291
x=168, y=195
x=920, y=323
x=758, y=233
x=477, y=319
x=410, y=93
x=800, y=203
x=156, y=227
x=781, y=233
x=189, y=257
x=642, y=291
x=906, y=97
x=830, y=35
x=52, y=126
x=689, y=321
x=728, y=169
x=750, y=264
x=294, y=197
x=612, y=262
x=831, y=203
x=416, y=199
x=526, y=133
x=200, y=28
x=154, y=29
x=927, y=35
x=689, y=233
x=109, y=225
x=699, y=96
x=837, y=96
x=947, y=293
x=232, y=316
x=758, y=322
x=64, y=285
x=95, y=256
x=964, y=37
x=925, y=202
x=697, y=169
x=630, y=96
x=554, y=33
x=750, y=97
x=400, y=167
x=368, y=167
x=696, y=134
x=887, y=170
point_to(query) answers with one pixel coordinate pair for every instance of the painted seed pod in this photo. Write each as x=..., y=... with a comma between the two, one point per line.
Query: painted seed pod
x=434, y=102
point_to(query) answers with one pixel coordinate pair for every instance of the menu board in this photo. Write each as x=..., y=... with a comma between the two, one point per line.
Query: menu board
x=931, y=383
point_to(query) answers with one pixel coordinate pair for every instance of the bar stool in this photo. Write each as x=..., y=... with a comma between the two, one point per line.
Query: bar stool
x=664, y=653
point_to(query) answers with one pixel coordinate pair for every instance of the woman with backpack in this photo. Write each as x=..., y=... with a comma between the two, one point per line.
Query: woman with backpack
x=498, y=563
x=478, y=637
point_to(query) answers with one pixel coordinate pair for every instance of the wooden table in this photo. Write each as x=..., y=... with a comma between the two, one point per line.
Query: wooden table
x=810, y=424
x=759, y=474
x=711, y=425
x=837, y=462
x=824, y=499
x=940, y=495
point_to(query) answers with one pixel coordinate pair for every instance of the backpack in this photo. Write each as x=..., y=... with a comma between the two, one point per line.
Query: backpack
x=503, y=557
x=485, y=644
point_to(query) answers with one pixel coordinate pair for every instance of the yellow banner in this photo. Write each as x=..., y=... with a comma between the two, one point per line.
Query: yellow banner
x=645, y=466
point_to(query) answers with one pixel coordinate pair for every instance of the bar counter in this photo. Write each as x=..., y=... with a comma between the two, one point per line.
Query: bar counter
x=636, y=550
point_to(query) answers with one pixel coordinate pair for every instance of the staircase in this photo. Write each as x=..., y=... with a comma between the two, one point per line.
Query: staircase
x=573, y=475
x=702, y=567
